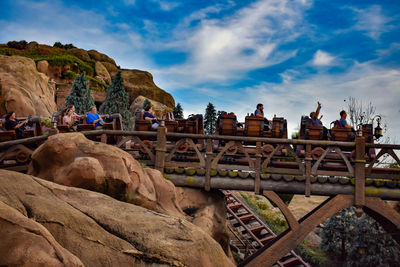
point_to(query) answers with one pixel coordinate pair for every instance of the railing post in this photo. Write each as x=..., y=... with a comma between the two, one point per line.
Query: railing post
x=161, y=147
x=257, y=179
x=359, y=172
x=209, y=153
x=308, y=160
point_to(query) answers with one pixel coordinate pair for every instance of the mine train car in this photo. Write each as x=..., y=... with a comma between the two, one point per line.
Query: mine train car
x=336, y=133
x=112, y=122
x=33, y=128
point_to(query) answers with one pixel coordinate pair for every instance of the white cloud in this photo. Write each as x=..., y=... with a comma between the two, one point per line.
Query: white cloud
x=299, y=95
x=372, y=21
x=224, y=49
x=322, y=58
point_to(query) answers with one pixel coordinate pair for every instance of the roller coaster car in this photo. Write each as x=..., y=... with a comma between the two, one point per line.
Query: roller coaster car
x=34, y=128
x=254, y=126
x=339, y=133
x=227, y=125
x=309, y=131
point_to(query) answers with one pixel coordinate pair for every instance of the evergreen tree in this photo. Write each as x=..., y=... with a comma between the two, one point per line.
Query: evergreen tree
x=117, y=101
x=80, y=95
x=210, y=119
x=359, y=241
x=178, y=111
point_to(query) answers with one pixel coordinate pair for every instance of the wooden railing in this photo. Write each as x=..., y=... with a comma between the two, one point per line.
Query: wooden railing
x=257, y=164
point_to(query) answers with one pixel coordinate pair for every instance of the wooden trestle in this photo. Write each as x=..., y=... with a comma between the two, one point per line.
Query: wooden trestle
x=347, y=172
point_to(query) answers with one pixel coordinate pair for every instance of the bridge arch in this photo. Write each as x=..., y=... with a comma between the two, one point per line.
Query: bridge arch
x=287, y=241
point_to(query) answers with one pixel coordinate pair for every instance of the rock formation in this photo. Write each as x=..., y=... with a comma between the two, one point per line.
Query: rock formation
x=71, y=159
x=23, y=89
x=53, y=225
x=301, y=205
x=140, y=83
x=158, y=108
x=208, y=211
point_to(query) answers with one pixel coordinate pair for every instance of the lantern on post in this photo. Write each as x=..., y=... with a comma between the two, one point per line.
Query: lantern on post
x=377, y=129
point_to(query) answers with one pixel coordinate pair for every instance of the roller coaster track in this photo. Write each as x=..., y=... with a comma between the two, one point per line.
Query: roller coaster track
x=252, y=232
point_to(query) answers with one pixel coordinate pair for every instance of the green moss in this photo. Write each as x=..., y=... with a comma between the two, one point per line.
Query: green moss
x=190, y=180
x=62, y=60
x=312, y=253
x=233, y=174
x=179, y=170
x=166, y=176
x=201, y=172
x=213, y=172
x=97, y=81
x=265, y=176
x=370, y=191
x=190, y=171
x=169, y=170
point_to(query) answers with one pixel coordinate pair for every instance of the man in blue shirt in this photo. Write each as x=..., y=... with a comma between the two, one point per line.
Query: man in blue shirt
x=260, y=113
x=149, y=115
x=93, y=117
x=342, y=121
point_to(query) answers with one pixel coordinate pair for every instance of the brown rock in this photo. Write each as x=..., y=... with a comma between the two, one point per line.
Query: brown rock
x=23, y=89
x=80, y=53
x=111, y=68
x=102, y=72
x=140, y=83
x=102, y=231
x=43, y=66
x=26, y=242
x=71, y=159
x=209, y=213
x=158, y=108
x=97, y=56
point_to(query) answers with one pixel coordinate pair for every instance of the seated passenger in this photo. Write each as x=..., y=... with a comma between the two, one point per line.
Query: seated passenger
x=260, y=113
x=13, y=124
x=69, y=119
x=342, y=122
x=149, y=115
x=94, y=117
x=314, y=116
x=317, y=121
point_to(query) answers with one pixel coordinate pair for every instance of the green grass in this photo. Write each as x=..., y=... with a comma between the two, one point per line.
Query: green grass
x=312, y=253
x=275, y=219
x=54, y=55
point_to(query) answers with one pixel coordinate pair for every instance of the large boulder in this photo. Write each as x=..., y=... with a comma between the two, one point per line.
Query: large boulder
x=71, y=159
x=140, y=83
x=82, y=54
x=208, y=211
x=97, y=56
x=23, y=89
x=111, y=68
x=97, y=229
x=43, y=66
x=159, y=108
x=26, y=242
x=102, y=72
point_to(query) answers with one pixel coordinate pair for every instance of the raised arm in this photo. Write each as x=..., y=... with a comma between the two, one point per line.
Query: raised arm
x=318, y=110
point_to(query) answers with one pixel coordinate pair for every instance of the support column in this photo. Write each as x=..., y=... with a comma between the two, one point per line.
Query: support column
x=359, y=172
x=209, y=154
x=161, y=148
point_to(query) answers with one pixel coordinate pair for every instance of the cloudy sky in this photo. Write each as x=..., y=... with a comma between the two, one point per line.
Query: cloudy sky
x=235, y=54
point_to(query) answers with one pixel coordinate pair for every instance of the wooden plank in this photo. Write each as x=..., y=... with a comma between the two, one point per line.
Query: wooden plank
x=160, y=149
x=308, y=160
x=209, y=159
x=257, y=182
x=360, y=174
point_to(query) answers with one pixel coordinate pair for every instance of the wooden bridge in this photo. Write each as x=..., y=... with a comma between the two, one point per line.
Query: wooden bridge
x=345, y=171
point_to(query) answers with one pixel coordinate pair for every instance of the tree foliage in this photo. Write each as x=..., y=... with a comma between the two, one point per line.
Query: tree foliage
x=210, y=119
x=64, y=46
x=18, y=44
x=117, y=101
x=80, y=95
x=146, y=103
x=178, y=111
x=359, y=241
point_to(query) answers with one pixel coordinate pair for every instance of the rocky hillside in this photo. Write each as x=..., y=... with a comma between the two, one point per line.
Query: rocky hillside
x=41, y=76
x=135, y=217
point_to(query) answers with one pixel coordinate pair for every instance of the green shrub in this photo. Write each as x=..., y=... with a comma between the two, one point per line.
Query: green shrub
x=312, y=253
x=62, y=60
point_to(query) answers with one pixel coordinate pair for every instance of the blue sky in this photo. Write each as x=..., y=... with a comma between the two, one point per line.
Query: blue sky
x=235, y=54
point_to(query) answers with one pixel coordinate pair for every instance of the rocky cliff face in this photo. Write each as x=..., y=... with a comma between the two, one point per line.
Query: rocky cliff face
x=46, y=224
x=23, y=89
x=61, y=66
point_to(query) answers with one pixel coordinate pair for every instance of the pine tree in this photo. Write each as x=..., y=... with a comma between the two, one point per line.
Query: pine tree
x=80, y=95
x=117, y=101
x=178, y=111
x=210, y=119
x=359, y=241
